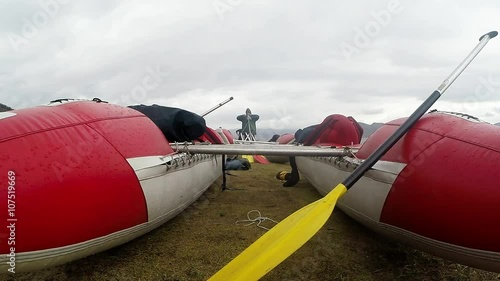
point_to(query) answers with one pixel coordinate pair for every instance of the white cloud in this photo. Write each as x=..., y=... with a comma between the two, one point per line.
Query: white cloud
x=282, y=58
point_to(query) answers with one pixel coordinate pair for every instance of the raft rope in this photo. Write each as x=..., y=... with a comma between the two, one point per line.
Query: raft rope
x=258, y=220
x=463, y=115
x=349, y=150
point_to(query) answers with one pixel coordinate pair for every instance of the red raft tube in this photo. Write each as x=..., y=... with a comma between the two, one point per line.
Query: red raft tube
x=82, y=177
x=437, y=189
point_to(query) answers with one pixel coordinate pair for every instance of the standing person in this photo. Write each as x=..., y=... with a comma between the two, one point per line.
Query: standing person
x=248, y=127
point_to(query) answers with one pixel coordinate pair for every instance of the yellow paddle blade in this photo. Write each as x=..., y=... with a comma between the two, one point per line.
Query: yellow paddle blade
x=281, y=241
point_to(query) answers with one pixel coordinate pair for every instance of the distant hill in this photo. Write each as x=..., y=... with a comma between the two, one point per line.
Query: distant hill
x=497, y=124
x=368, y=130
x=3, y=107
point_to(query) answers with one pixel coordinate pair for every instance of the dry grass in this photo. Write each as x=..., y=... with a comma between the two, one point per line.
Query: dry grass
x=203, y=238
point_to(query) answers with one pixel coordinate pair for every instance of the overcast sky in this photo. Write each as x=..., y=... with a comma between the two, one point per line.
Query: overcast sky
x=291, y=62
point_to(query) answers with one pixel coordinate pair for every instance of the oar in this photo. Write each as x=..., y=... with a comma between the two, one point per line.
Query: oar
x=217, y=106
x=290, y=234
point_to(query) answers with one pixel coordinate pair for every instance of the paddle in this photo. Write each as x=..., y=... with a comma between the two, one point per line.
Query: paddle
x=290, y=234
x=216, y=107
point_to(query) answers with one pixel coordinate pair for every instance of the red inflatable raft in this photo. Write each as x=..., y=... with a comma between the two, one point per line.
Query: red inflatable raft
x=82, y=177
x=437, y=189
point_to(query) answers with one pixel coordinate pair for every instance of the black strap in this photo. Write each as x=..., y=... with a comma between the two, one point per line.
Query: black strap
x=223, y=172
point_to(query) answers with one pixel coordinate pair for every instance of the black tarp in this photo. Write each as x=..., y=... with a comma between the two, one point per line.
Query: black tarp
x=175, y=123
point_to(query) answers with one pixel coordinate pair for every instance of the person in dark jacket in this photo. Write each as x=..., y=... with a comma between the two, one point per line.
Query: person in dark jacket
x=248, y=127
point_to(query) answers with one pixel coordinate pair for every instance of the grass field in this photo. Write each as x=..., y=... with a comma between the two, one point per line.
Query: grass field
x=204, y=237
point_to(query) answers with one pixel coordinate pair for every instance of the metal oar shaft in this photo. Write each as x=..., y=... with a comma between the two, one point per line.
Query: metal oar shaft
x=483, y=40
x=217, y=106
x=275, y=150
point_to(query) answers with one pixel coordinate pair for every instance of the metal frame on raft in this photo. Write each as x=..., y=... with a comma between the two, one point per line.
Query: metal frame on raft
x=265, y=149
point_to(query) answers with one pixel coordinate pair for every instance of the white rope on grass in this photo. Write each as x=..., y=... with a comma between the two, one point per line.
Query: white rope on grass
x=258, y=220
